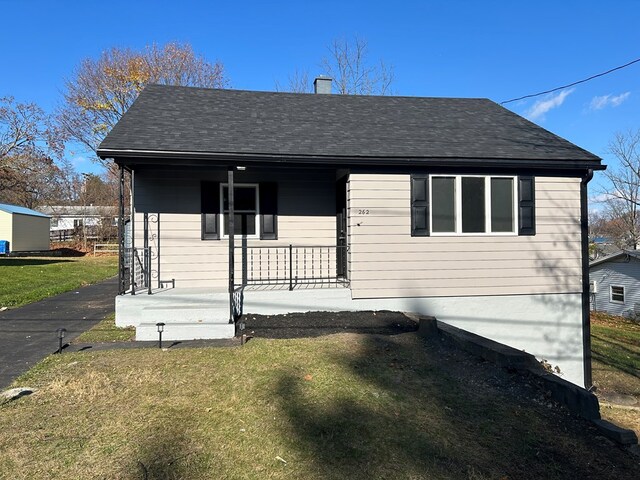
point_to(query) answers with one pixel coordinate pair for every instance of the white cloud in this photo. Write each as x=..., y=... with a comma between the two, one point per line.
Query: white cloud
x=598, y=103
x=78, y=160
x=601, y=198
x=541, y=107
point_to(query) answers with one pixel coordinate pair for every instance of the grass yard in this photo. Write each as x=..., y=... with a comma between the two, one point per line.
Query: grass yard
x=615, y=347
x=342, y=406
x=25, y=280
x=106, y=331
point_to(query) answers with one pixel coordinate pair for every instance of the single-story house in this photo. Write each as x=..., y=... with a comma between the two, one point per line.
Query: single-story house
x=70, y=217
x=26, y=230
x=615, y=283
x=261, y=202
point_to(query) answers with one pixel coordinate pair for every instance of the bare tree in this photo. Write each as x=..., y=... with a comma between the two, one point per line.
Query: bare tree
x=28, y=145
x=33, y=182
x=298, y=82
x=25, y=131
x=353, y=74
x=348, y=64
x=102, y=90
x=622, y=203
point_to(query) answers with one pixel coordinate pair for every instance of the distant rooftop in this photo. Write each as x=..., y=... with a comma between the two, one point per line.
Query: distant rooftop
x=5, y=207
x=78, y=210
x=615, y=255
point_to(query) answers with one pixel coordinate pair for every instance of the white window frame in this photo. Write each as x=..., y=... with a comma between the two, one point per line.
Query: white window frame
x=487, y=206
x=222, y=212
x=611, y=287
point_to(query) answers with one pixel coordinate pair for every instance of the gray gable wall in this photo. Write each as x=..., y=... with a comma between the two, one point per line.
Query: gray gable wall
x=184, y=119
x=623, y=271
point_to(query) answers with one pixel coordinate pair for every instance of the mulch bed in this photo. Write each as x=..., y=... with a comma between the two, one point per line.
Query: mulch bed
x=316, y=324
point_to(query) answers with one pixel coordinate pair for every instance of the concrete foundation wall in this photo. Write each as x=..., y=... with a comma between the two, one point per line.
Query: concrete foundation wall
x=547, y=326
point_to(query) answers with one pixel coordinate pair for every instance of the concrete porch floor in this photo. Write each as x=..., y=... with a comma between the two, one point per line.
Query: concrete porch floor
x=200, y=313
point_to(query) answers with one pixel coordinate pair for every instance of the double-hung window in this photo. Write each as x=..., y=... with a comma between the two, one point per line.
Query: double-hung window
x=255, y=206
x=473, y=205
x=245, y=202
x=617, y=294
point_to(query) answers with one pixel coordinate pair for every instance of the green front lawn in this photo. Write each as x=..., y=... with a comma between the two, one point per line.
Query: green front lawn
x=615, y=350
x=25, y=280
x=106, y=331
x=344, y=406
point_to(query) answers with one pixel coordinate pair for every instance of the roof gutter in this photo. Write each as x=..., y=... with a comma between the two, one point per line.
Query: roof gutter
x=149, y=157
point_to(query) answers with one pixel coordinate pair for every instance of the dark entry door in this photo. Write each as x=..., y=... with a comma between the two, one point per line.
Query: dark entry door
x=341, y=228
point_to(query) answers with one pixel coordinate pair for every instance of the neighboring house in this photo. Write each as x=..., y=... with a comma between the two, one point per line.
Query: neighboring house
x=26, y=230
x=69, y=217
x=615, y=283
x=260, y=202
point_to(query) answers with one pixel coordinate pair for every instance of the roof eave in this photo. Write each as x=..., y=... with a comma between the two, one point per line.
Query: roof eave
x=613, y=256
x=128, y=157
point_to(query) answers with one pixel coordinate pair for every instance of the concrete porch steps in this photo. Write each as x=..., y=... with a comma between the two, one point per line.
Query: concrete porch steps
x=185, y=330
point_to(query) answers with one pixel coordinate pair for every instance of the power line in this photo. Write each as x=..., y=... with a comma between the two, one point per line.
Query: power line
x=572, y=84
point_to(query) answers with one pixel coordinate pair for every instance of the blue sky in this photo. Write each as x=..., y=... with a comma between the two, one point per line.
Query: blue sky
x=493, y=49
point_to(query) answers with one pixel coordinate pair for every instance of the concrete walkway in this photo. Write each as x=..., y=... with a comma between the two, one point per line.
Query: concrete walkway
x=28, y=334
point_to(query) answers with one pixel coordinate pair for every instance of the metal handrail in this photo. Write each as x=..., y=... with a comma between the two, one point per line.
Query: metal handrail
x=139, y=262
x=292, y=265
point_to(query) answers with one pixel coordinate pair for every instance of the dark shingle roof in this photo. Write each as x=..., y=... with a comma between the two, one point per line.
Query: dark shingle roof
x=206, y=121
x=631, y=253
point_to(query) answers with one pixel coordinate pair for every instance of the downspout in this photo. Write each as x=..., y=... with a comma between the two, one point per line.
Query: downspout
x=586, y=322
x=132, y=216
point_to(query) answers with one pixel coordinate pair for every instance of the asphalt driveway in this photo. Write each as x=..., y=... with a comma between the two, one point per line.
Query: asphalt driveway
x=28, y=334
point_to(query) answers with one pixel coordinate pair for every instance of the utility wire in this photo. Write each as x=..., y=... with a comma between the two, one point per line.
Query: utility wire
x=572, y=84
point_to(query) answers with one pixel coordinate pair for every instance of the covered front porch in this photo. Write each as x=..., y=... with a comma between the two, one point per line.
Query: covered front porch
x=202, y=247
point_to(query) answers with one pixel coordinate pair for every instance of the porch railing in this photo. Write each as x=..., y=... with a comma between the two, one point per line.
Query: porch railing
x=291, y=265
x=138, y=261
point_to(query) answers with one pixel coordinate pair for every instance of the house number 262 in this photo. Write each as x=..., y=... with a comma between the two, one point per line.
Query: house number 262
x=363, y=211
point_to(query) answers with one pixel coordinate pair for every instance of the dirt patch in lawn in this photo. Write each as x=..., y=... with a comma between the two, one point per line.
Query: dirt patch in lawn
x=316, y=324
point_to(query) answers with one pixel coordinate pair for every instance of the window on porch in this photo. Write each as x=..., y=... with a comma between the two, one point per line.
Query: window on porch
x=245, y=199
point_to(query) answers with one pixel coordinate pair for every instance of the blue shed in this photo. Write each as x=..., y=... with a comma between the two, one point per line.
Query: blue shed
x=26, y=230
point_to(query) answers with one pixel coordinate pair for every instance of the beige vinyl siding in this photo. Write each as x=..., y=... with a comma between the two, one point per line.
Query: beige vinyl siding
x=386, y=261
x=6, y=227
x=30, y=233
x=306, y=216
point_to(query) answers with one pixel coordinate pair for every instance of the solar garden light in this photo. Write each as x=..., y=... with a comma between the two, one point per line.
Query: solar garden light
x=160, y=326
x=61, y=333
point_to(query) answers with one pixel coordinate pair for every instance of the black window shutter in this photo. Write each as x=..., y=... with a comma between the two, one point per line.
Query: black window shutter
x=210, y=208
x=526, y=205
x=269, y=211
x=419, y=205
